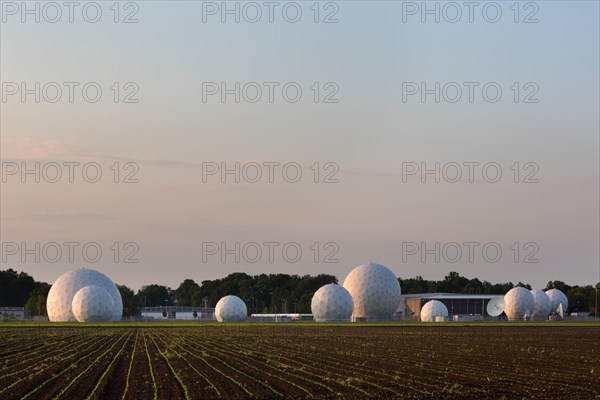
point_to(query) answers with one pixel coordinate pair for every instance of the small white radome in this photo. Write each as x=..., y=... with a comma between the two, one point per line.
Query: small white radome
x=557, y=297
x=332, y=303
x=519, y=303
x=433, y=309
x=543, y=305
x=231, y=309
x=92, y=304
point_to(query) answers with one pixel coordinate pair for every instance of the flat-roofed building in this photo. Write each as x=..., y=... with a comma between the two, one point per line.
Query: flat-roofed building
x=457, y=304
x=12, y=313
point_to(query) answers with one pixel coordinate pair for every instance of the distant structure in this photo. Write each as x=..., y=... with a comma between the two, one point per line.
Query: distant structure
x=231, y=309
x=177, y=313
x=543, y=305
x=280, y=317
x=93, y=304
x=60, y=298
x=558, y=299
x=375, y=291
x=519, y=303
x=332, y=303
x=12, y=313
x=460, y=306
x=434, y=311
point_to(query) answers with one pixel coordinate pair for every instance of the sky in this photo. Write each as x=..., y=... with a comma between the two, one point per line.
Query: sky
x=365, y=127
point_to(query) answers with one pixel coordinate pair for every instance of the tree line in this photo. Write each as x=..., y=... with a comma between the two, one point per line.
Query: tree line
x=266, y=293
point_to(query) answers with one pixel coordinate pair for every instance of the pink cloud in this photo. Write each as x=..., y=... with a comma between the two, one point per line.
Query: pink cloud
x=27, y=149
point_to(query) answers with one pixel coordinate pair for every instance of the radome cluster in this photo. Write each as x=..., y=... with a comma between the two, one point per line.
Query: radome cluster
x=520, y=303
x=84, y=295
x=371, y=292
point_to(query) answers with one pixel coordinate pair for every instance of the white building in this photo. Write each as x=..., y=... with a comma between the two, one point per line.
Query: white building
x=178, y=313
x=12, y=313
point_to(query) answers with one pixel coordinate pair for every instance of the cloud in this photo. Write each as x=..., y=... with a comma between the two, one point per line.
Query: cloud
x=27, y=149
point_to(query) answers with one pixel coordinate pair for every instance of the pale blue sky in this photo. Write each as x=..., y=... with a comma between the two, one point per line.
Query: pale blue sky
x=369, y=133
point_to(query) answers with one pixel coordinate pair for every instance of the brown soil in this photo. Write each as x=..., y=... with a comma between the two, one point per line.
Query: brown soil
x=295, y=361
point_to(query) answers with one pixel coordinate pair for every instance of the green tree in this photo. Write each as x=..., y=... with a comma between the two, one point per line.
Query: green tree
x=185, y=292
x=524, y=285
x=453, y=283
x=264, y=292
x=153, y=295
x=36, y=304
x=15, y=288
x=560, y=285
x=474, y=286
x=130, y=304
x=501, y=288
x=413, y=285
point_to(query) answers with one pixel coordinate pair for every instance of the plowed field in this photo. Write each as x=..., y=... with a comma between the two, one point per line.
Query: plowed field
x=295, y=361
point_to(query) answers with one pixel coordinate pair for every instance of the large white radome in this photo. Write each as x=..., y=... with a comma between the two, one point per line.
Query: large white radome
x=557, y=297
x=432, y=309
x=375, y=291
x=93, y=304
x=231, y=309
x=62, y=292
x=543, y=305
x=332, y=303
x=519, y=303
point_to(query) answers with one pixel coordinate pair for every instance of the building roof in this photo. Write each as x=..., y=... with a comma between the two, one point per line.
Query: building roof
x=450, y=296
x=290, y=315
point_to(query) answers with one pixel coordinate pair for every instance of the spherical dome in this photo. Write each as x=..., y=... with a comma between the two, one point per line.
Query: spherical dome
x=60, y=297
x=557, y=297
x=332, y=303
x=519, y=303
x=92, y=304
x=231, y=309
x=375, y=291
x=543, y=305
x=432, y=309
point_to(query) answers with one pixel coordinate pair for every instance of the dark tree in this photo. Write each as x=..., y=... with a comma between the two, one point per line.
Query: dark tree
x=153, y=296
x=130, y=305
x=560, y=285
x=36, y=304
x=185, y=292
x=15, y=288
x=414, y=285
x=264, y=292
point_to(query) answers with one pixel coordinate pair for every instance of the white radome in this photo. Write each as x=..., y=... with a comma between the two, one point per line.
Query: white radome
x=557, y=297
x=62, y=292
x=375, y=291
x=543, y=305
x=332, y=303
x=432, y=309
x=93, y=304
x=519, y=303
x=231, y=309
